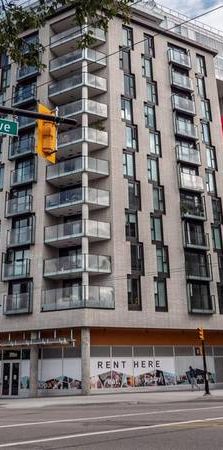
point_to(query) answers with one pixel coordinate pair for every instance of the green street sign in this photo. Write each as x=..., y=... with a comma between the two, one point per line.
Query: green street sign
x=9, y=127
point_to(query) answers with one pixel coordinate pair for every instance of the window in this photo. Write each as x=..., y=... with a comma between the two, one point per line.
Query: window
x=220, y=297
x=199, y=297
x=162, y=261
x=128, y=165
x=154, y=143
x=149, y=114
x=131, y=137
x=158, y=199
x=6, y=77
x=201, y=87
x=134, y=195
x=134, y=293
x=129, y=85
x=197, y=265
x=127, y=37
x=147, y=67
x=216, y=237
x=160, y=293
x=125, y=60
x=205, y=110
x=126, y=109
x=153, y=170
x=131, y=225
x=201, y=67
x=211, y=158
x=217, y=209
x=2, y=168
x=205, y=133
x=156, y=228
x=148, y=45
x=151, y=89
x=137, y=260
x=194, y=233
x=210, y=182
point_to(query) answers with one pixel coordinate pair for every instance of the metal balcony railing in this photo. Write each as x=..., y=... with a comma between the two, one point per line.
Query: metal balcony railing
x=87, y=79
x=77, y=195
x=78, y=228
x=201, y=304
x=99, y=297
x=26, y=71
x=25, y=122
x=191, y=182
x=18, y=304
x=186, y=129
x=23, y=175
x=193, y=208
x=87, y=54
x=178, y=57
x=183, y=104
x=16, y=269
x=83, y=106
x=22, y=147
x=196, y=239
x=182, y=81
x=20, y=205
x=24, y=94
x=20, y=236
x=83, y=134
x=76, y=165
x=198, y=270
x=188, y=154
x=66, y=265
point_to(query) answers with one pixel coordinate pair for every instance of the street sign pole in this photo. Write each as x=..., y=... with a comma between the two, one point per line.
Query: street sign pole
x=206, y=381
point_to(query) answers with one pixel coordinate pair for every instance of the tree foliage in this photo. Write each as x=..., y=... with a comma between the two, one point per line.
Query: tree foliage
x=15, y=20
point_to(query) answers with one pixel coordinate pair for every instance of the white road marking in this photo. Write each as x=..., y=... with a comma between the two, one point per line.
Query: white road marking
x=114, y=416
x=99, y=433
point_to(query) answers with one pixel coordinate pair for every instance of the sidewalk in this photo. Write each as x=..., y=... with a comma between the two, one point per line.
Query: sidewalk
x=127, y=397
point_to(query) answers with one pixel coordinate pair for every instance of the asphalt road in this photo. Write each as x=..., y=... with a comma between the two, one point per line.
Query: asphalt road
x=193, y=425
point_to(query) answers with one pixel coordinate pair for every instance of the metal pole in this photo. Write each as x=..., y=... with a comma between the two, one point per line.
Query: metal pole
x=37, y=115
x=206, y=381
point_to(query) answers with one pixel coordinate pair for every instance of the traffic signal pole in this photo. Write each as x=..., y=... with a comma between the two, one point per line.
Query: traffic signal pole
x=206, y=381
x=37, y=115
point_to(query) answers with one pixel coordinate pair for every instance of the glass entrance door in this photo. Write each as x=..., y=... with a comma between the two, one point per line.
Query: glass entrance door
x=10, y=378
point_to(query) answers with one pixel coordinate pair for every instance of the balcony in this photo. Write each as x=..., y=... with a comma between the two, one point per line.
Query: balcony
x=26, y=122
x=188, y=155
x=179, y=58
x=63, y=91
x=63, y=65
x=19, y=206
x=198, y=268
x=25, y=146
x=71, y=233
x=25, y=72
x=196, y=240
x=181, y=81
x=24, y=94
x=16, y=270
x=23, y=176
x=191, y=182
x=201, y=305
x=18, y=304
x=70, y=171
x=95, y=297
x=95, y=110
x=183, y=104
x=70, y=202
x=185, y=129
x=20, y=236
x=69, y=39
x=73, y=266
x=193, y=208
x=70, y=142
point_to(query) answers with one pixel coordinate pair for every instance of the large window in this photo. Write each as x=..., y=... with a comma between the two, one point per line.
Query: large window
x=137, y=259
x=126, y=109
x=199, y=297
x=134, y=293
x=128, y=164
x=217, y=210
x=6, y=77
x=160, y=293
x=153, y=170
x=148, y=45
x=154, y=143
x=156, y=228
x=125, y=60
x=201, y=67
x=210, y=182
x=131, y=225
x=216, y=237
x=201, y=87
x=162, y=261
x=147, y=67
x=131, y=137
x=134, y=195
x=150, y=118
x=158, y=199
x=151, y=89
x=129, y=85
x=127, y=37
x=205, y=109
x=205, y=132
x=211, y=158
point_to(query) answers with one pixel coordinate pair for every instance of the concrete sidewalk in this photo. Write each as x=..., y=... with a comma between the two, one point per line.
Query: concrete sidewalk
x=125, y=397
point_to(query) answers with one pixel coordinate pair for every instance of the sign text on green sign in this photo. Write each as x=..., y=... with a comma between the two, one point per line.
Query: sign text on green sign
x=9, y=127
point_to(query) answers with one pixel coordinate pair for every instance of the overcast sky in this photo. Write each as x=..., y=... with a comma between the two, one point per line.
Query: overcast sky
x=195, y=7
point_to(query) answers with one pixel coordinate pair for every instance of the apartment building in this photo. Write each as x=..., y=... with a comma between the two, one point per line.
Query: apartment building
x=112, y=258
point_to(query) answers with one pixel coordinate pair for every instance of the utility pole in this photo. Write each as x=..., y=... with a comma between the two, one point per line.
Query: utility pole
x=206, y=381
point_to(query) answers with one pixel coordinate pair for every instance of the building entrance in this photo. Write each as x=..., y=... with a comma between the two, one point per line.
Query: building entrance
x=10, y=378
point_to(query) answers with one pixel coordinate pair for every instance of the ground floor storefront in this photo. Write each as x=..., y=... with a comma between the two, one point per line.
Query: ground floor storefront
x=106, y=359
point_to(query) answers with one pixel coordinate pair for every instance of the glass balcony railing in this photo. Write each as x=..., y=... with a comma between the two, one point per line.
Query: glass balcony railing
x=26, y=71
x=87, y=54
x=186, y=129
x=182, y=81
x=20, y=205
x=77, y=165
x=100, y=297
x=191, y=182
x=201, y=305
x=196, y=239
x=198, y=269
x=77, y=80
x=66, y=265
x=183, y=104
x=77, y=229
x=26, y=122
x=188, y=154
x=23, y=176
x=83, y=106
x=77, y=195
x=193, y=208
x=25, y=94
x=82, y=134
x=16, y=269
x=18, y=304
x=20, y=236
x=76, y=33
x=178, y=57
x=22, y=147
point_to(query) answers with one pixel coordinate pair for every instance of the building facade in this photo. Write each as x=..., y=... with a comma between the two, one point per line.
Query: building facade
x=112, y=258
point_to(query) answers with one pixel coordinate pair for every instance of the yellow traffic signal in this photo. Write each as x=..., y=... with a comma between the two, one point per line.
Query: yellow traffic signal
x=201, y=334
x=46, y=136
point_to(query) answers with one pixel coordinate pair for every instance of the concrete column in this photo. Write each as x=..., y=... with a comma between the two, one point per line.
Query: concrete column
x=85, y=361
x=33, y=378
